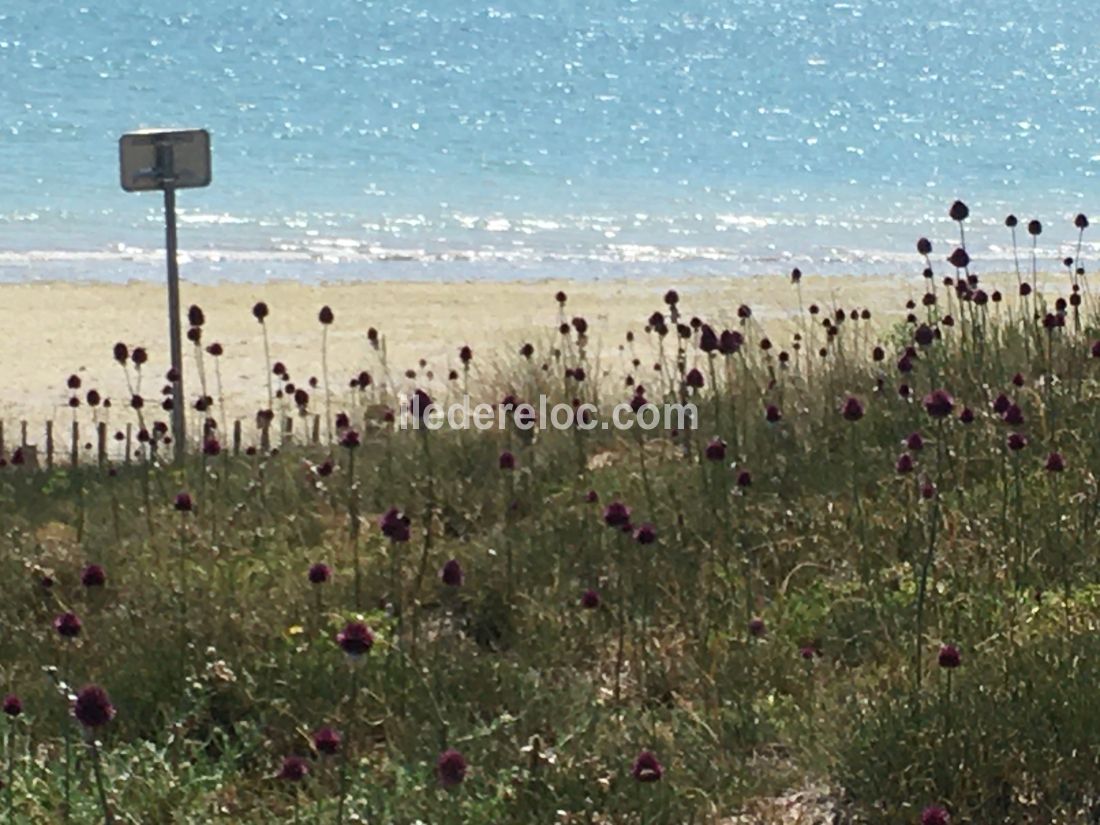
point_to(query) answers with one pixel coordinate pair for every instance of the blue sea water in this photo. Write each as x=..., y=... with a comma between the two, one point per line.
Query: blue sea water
x=453, y=139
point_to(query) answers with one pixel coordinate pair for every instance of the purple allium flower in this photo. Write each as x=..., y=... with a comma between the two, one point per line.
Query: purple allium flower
x=507, y=461
x=1081, y=222
x=1013, y=415
x=730, y=342
x=93, y=576
x=904, y=463
x=807, y=652
x=924, y=246
x=1055, y=463
x=852, y=410
x=694, y=379
x=68, y=625
x=93, y=708
x=216, y=350
x=1034, y=228
x=590, y=599
x=121, y=352
x=878, y=354
x=672, y=297
x=934, y=814
x=1096, y=349
x=259, y=311
x=450, y=768
x=927, y=490
x=939, y=404
x=1001, y=403
x=949, y=656
x=646, y=768
x=327, y=741
x=616, y=514
x=211, y=446
x=355, y=639
x=959, y=259
x=395, y=525
x=319, y=573
x=744, y=479
x=924, y=335
x=420, y=405
x=959, y=211
x=294, y=769
x=451, y=574
x=325, y=316
x=465, y=355
x=592, y=497
x=349, y=439
x=772, y=414
x=1018, y=379
x=757, y=628
x=183, y=503
x=966, y=416
x=708, y=339
x=1017, y=441
x=139, y=356
x=914, y=442
x=646, y=534
x=12, y=705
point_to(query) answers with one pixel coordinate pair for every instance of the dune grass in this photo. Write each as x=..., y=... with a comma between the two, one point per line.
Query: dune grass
x=779, y=602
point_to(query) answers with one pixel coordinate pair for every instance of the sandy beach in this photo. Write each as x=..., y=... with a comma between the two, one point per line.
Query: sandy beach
x=54, y=330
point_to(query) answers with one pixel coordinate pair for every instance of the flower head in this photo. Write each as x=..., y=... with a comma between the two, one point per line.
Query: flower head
x=646, y=534
x=319, y=573
x=959, y=211
x=451, y=574
x=93, y=707
x=507, y=461
x=12, y=705
x=259, y=311
x=355, y=639
x=757, y=628
x=450, y=768
x=934, y=815
x=949, y=656
x=716, y=450
x=325, y=316
x=327, y=741
x=294, y=769
x=68, y=625
x=395, y=525
x=616, y=514
x=590, y=599
x=93, y=576
x=646, y=768
x=183, y=503
x=939, y=404
x=852, y=410
x=1055, y=463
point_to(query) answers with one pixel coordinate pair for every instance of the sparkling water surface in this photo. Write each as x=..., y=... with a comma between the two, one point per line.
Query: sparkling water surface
x=513, y=139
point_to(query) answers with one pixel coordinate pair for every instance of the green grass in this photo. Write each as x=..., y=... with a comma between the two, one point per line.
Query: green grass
x=220, y=656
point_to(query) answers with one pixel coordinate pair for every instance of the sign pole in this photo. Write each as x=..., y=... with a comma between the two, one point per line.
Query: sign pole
x=179, y=436
x=168, y=159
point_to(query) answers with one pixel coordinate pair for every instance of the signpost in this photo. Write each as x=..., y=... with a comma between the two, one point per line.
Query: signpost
x=168, y=159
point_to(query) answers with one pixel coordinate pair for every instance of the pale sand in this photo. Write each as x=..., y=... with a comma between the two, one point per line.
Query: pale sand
x=53, y=329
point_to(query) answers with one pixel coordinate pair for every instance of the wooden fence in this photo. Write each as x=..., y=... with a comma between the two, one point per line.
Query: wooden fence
x=49, y=448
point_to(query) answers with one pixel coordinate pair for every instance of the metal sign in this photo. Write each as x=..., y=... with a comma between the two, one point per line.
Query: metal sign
x=150, y=158
x=168, y=159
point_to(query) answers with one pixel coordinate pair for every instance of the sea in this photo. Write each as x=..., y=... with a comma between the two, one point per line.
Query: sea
x=450, y=140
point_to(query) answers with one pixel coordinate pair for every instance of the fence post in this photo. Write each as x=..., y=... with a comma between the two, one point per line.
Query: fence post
x=49, y=445
x=101, y=433
x=237, y=437
x=74, y=452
